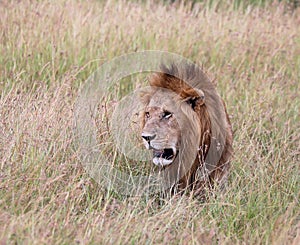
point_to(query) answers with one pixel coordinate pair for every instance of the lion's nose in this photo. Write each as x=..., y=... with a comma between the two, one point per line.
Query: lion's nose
x=148, y=137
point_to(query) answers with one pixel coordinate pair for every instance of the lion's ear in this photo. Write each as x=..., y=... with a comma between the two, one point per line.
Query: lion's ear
x=196, y=99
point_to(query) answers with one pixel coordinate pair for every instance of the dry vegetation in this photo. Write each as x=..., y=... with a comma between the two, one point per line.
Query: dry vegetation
x=48, y=49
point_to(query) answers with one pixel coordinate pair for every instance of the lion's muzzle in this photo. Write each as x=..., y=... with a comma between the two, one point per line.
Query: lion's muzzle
x=162, y=156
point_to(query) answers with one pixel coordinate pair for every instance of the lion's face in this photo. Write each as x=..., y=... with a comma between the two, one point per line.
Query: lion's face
x=161, y=131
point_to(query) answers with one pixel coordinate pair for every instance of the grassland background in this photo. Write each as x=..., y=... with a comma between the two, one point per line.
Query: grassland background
x=49, y=48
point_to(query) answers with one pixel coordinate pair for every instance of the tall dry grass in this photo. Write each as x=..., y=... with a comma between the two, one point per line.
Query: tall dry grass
x=47, y=51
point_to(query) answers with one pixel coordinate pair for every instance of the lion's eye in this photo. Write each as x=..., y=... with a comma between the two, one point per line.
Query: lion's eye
x=167, y=114
x=147, y=114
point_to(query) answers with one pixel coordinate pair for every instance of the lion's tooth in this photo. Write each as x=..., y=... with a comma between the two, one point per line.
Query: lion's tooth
x=161, y=161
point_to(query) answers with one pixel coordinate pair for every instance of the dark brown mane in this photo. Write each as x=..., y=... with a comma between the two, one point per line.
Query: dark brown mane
x=174, y=79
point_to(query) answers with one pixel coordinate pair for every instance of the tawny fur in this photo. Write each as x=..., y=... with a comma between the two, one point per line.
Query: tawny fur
x=186, y=80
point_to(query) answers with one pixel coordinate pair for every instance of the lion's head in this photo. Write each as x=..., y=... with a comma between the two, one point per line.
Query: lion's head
x=182, y=105
x=161, y=130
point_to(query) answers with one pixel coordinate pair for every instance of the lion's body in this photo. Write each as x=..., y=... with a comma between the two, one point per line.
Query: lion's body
x=185, y=115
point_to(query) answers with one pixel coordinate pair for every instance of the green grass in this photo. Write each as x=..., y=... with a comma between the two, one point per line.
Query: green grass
x=48, y=50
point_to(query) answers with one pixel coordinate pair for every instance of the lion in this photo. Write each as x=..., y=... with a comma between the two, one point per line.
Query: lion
x=186, y=126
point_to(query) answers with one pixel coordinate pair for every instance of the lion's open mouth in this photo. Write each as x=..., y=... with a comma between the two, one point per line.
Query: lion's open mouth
x=164, y=157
